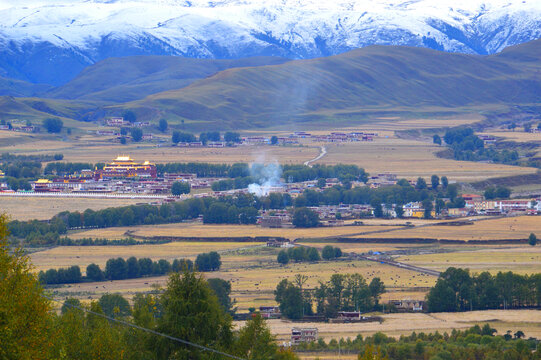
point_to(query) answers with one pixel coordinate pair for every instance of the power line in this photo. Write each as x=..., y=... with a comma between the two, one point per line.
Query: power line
x=185, y=342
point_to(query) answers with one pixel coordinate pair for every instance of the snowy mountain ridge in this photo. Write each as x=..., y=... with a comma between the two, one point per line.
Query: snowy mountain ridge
x=67, y=35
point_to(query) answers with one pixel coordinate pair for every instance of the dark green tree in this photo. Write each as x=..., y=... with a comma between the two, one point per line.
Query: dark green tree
x=289, y=297
x=222, y=289
x=274, y=140
x=192, y=312
x=436, y=139
x=421, y=184
x=130, y=116
x=435, y=181
x=163, y=125
x=53, y=125
x=114, y=305
x=94, y=273
x=136, y=134
x=532, y=239
x=305, y=218
x=180, y=187
x=282, y=257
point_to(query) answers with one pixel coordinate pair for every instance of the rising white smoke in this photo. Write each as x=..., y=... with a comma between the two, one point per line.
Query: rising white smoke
x=266, y=176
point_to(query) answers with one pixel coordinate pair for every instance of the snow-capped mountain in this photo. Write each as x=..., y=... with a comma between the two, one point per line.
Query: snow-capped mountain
x=51, y=40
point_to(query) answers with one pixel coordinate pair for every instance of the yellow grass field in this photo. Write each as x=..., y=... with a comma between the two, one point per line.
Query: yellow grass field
x=411, y=159
x=520, y=259
x=519, y=135
x=207, y=230
x=493, y=229
x=63, y=256
x=528, y=321
x=27, y=208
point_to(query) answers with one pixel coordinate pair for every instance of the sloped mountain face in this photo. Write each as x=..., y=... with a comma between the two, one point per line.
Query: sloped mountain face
x=375, y=78
x=50, y=41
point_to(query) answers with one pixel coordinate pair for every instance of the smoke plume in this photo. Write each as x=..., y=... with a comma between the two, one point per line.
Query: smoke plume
x=266, y=176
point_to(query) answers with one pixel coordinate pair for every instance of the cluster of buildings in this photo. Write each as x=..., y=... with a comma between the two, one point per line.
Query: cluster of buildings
x=123, y=175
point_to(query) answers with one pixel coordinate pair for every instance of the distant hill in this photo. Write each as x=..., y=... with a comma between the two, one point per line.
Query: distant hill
x=377, y=77
x=13, y=87
x=134, y=77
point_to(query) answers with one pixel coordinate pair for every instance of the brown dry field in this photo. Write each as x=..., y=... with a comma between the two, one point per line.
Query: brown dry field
x=504, y=228
x=411, y=159
x=518, y=136
x=27, y=208
x=519, y=259
x=63, y=256
x=528, y=321
x=95, y=149
x=206, y=230
x=253, y=273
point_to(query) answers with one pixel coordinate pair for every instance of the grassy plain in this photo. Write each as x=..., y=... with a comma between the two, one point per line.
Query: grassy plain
x=201, y=230
x=519, y=135
x=411, y=159
x=519, y=259
x=63, y=256
x=27, y=208
x=528, y=321
x=503, y=228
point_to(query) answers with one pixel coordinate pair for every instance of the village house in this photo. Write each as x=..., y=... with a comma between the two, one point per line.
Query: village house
x=270, y=312
x=117, y=122
x=408, y=305
x=303, y=335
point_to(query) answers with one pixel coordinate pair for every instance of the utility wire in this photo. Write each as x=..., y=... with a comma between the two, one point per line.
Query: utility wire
x=185, y=342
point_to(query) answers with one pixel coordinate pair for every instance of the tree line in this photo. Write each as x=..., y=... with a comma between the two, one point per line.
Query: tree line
x=306, y=253
x=229, y=137
x=132, y=268
x=458, y=290
x=343, y=292
x=468, y=146
x=477, y=342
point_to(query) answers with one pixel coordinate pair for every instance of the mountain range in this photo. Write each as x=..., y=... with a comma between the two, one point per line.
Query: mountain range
x=204, y=94
x=52, y=41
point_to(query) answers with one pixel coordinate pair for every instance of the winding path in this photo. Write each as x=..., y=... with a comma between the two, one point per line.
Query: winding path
x=323, y=152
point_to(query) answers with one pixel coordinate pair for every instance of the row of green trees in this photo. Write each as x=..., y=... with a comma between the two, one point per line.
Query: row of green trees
x=306, y=253
x=115, y=269
x=458, y=290
x=477, y=342
x=343, y=292
x=186, y=137
x=132, y=268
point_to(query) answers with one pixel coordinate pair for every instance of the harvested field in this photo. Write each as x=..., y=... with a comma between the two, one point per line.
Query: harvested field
x=528, y=321
x=27, y=208
x=411, y=159
x=95, y=150
x=522, y=260
x=206, y=230
x=493, y=229
x=518, y=136
x=63, y=256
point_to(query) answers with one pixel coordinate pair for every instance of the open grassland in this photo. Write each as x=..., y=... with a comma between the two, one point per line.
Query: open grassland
x=253, y=271
x=494, y=229
x=520, y=259
x=518, y=135
x=63, y=256
x=529, y=321
x=411, y=159
x=27, y=208
x=89, y=148
x=206, y=230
